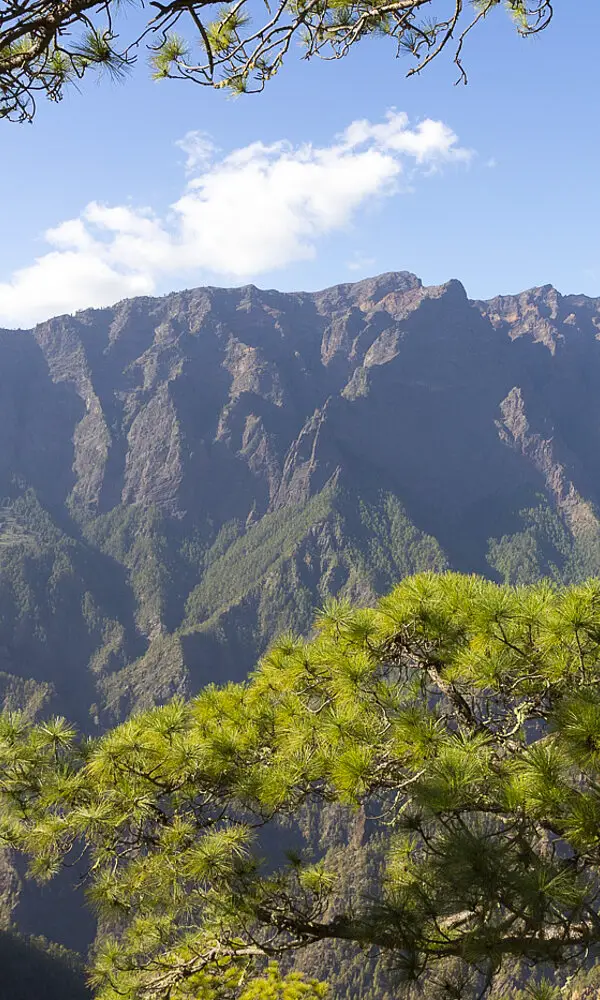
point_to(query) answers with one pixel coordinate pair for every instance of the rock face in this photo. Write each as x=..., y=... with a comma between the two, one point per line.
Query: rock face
x=183, y=477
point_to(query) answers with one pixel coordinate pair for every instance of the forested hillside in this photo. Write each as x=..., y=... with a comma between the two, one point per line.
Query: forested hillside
x=185, y=477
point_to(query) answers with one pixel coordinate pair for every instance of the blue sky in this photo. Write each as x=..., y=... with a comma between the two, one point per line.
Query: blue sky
x=495, y=183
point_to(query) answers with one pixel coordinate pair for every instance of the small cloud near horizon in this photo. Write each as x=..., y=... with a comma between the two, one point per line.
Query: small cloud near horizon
x=360, y=263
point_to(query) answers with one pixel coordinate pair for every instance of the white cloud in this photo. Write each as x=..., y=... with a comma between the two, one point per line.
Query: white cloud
x=430, y=142
x=254, y=210
x=360, y=263
x=199, y=149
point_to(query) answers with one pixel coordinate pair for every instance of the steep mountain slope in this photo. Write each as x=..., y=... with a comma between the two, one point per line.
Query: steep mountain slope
x=183, y=477
x=33, y=968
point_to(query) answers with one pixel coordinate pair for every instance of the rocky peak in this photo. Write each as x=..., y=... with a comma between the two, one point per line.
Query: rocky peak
x=208, y=399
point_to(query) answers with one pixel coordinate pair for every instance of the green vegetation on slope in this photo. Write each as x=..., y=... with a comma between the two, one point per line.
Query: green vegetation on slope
x=61, y=602
x=197, y=603
x=262, y=548
x=35, y=969
x=139, y=539
x=334, y=543
x=545, y=547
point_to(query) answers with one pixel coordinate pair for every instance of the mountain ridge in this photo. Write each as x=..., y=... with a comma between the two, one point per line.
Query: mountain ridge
x=182, y=478
x=146, y=440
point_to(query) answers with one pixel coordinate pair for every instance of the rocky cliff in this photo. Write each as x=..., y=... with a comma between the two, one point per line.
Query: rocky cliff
x=182, y=477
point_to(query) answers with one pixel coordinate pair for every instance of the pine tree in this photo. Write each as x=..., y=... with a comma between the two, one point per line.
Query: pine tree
x=461, y=716
x=45, y=45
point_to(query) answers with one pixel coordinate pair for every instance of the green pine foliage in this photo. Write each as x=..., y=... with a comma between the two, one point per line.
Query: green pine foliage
x=128, y=577
x=237, y=47
x=459, y=718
